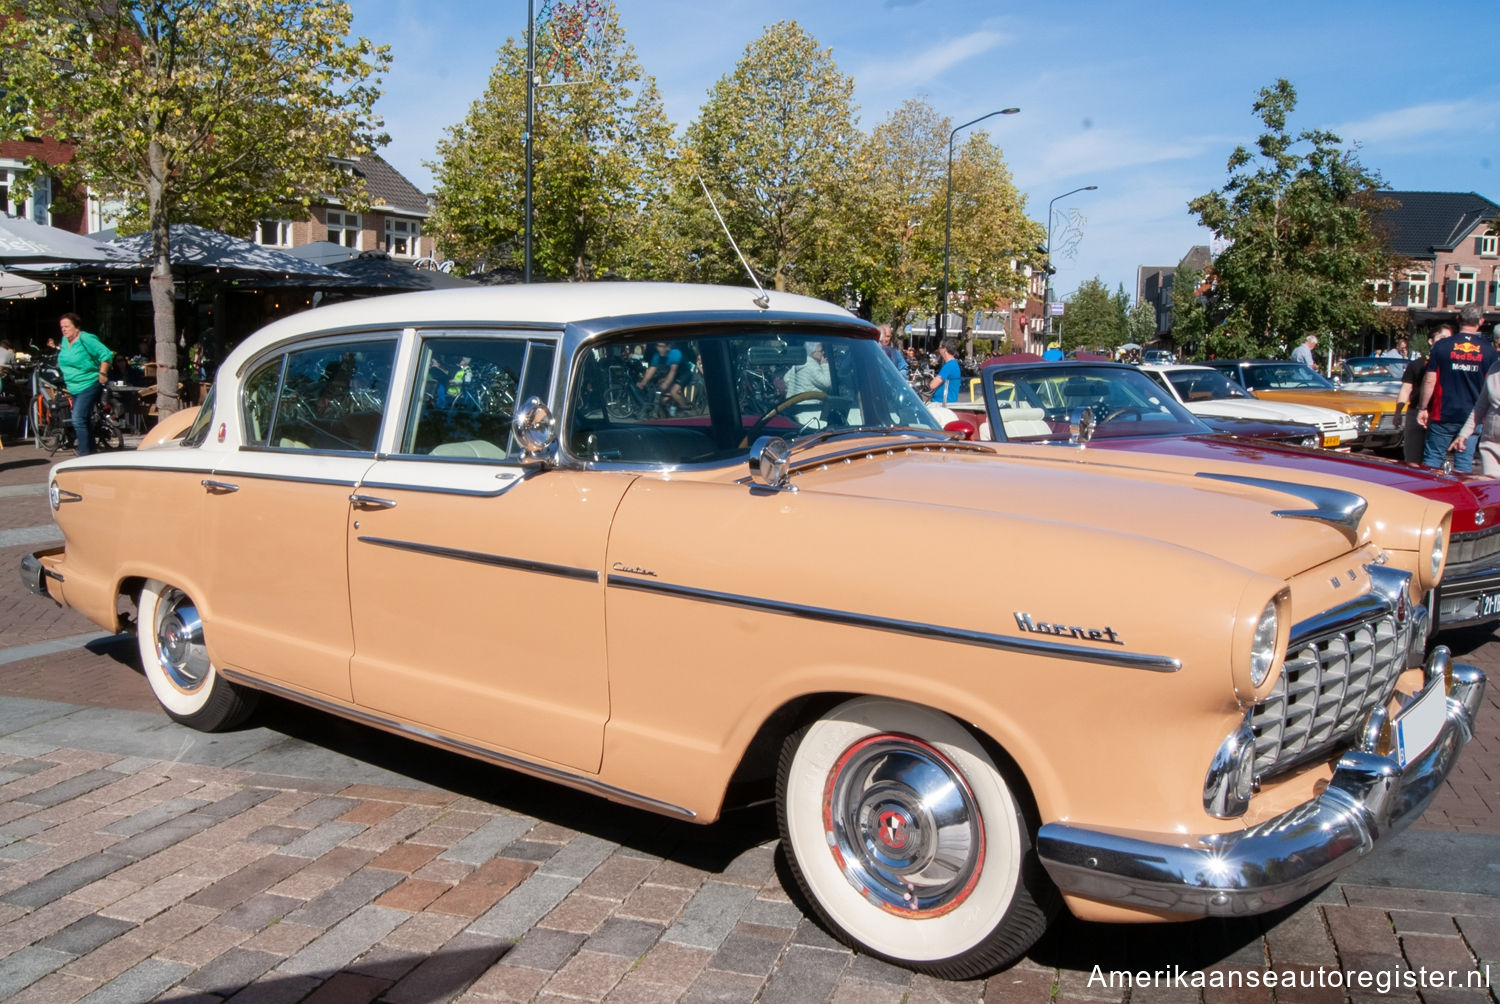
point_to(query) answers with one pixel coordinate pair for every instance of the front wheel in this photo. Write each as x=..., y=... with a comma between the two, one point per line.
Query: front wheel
x=908, y=841
x=175, y=658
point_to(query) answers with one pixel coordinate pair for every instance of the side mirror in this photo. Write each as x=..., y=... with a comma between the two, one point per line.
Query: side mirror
x=536, y=431
x=770, y=464
x=1081, y=426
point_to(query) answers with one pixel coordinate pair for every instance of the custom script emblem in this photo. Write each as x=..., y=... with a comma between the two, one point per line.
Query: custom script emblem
x=620, y=566
x=1104, y=634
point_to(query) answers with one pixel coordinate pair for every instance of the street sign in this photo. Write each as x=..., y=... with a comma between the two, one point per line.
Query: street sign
x=1055, y=308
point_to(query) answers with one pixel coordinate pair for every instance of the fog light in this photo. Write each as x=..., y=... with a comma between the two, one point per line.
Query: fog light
x=1231, y=776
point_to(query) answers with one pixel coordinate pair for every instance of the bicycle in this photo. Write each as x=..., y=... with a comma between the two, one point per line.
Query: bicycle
x=54, y=417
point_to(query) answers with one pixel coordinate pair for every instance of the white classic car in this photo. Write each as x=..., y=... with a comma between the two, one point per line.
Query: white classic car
x=633, y=538
x=1203, y=390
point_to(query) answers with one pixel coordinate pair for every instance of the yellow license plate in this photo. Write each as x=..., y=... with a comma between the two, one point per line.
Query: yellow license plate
x=1332, y=439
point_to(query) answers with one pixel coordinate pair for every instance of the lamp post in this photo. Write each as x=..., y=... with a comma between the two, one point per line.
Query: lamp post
x=942, y=325
x=1085, y=188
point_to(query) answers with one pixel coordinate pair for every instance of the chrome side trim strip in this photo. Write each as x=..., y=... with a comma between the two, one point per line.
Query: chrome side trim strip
x=1054, y=650
x=505, y=760
x=1339, y=509
x=260, y=476
x=519, y=564
x=436, y=490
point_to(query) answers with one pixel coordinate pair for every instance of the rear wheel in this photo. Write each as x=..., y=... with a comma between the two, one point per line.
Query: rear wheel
x=175, y=658
x=908, y=840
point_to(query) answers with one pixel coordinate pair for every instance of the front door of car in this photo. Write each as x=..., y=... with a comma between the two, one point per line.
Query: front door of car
x=277, y=604
x=477, y=593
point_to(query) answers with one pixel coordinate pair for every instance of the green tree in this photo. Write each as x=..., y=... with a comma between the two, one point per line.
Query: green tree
x=215, y=113
x=773, y=143
x=1140, y=323
x=991, y=233
x=1297, y=217
x=1092, y=320
x=600, y=152
x=1189, y=315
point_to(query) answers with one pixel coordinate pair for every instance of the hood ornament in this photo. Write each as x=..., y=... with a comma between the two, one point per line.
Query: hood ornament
x=1339, y=509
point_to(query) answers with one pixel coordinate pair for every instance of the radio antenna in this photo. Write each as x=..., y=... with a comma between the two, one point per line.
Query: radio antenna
x=762, y=301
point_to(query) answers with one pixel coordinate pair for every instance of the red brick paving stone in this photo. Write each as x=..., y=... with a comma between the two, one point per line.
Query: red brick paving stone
x=1308, y=985
x=322, y=874
x=1482, y=935
x=1075, y=985
x=483, y=887
x=634, y=991
x=1021, y=984
x=405, y=796
x=506, y=983
x=112, y=958
x=1361, y=930
x=671, y=965
x=551, y=833
x=445, y=871
x=40, y=923
x=370, y=813
x=413, y=895
x=176, y=924
x=405, y=858
x=1427, y=951
x=1414, y=922
x=105, y=891
x=204, y=945
x=847, y=991
x=55, y=988
x=348, y=988
x=425, y=933
x=232, y=890
x=449, y=971
x=579, y=914
x=617, y=877
x=1421, y=900
x=658, y=904
x=155, y=898
x=930, y=990
x=679, y=876
x=1238, y=991
x=284, y=938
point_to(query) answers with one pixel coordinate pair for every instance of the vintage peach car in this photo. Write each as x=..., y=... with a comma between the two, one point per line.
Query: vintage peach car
x=636, y=539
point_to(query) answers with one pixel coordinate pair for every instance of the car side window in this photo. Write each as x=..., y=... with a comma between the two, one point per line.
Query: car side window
x=259, y=396
x=465, y=395
x=332, y=397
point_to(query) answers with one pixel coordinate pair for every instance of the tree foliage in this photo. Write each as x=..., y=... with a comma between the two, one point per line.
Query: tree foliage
x=190, y=112
x=1296, y=214
x=1140, y=323
x=600, y=150
x=774, y=144
x=1092, y=320
x=1189, y=315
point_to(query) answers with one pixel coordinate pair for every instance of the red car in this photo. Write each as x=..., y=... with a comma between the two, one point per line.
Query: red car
x=1110, y=406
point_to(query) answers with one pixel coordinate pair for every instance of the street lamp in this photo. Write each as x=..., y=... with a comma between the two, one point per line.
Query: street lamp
x=1050, y=269
x=948, y=222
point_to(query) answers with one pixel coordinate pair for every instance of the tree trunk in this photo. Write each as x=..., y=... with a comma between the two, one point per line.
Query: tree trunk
x=163, y=304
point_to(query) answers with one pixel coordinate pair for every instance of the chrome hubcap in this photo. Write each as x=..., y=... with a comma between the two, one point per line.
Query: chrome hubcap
x=179, y=641
x=904, y=826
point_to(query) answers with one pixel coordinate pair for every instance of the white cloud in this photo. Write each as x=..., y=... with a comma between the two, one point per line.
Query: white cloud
x=1432, y=119
x=930, y=64
x=1094, y=151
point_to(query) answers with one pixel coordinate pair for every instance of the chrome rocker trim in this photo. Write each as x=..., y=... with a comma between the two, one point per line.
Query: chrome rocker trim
x=1369, y=798
x=34, y=574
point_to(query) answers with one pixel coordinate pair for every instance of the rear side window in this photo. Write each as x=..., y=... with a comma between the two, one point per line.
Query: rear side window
x=330, y=398
x=466, y=393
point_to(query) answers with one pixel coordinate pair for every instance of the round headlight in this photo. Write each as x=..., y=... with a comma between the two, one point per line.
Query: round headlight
x=1438, y=554
x=1263, y=647
x=1362, y=423
x=1311, y=441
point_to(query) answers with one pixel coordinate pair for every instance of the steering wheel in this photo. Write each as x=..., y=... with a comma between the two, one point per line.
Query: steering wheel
x=1139, y=412
x=760, y=423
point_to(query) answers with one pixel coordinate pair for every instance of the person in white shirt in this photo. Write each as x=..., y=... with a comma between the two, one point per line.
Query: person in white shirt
x=1304, y=353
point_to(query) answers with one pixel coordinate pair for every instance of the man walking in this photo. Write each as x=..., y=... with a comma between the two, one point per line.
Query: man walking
x=944, y=386
x=1304, y=353
x=1452, y=384
x=893, y=353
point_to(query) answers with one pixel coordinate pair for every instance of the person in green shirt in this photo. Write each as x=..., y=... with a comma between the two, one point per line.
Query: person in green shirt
x=84, y=362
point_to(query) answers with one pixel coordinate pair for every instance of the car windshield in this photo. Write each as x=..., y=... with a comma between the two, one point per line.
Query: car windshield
x=691, y=399
x=1204, y=385
x=1367, y=370
x=1282, y=376
x=1042, y=403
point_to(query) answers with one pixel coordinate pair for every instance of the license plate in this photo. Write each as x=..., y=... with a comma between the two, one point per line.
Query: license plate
x=1332, y=439
x=1489, y=604
x=1419, y=723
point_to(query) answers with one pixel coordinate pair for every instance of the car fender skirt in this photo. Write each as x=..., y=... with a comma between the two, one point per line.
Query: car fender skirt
x=1369, y=798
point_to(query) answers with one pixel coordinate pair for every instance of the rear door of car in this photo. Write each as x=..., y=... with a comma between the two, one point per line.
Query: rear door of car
x=476, y=589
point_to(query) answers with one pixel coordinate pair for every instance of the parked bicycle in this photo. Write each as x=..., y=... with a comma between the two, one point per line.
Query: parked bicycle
x=52, y=415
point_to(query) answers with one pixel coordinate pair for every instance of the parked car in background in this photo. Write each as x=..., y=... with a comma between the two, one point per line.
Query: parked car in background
x=1372, y=374
x=1281, y=380
x=1146, y=420
x=529, y=565
x=1208, y=393
x=1161, y=357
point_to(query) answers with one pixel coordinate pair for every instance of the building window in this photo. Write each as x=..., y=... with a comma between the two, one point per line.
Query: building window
x=37, y=207
x=1380, y=292
x=274, y=233
x=343, y=228
x=1416, y=289
x=1463, y=286
x=1489, y=244
x=401, y=238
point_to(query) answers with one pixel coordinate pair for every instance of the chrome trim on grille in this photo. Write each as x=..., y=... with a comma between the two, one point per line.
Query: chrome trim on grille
x=1472, y=545
x=1339, y=667
x=1073, y=653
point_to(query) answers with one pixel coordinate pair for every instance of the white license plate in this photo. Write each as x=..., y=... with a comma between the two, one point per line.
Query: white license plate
x=1419, y=723
x=1489, y=604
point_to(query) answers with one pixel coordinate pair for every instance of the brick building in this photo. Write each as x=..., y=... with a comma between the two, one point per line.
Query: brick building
x=1451, y=251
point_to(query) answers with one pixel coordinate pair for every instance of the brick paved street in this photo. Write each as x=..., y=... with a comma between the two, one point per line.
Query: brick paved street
x=309, y=859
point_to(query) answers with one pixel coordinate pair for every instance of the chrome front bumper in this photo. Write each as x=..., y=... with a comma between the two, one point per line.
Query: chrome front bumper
x=1369, y=798
x=1461, y=598
x=34, y=574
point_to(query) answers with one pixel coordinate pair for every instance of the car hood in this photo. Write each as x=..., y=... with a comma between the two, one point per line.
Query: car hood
x=1275, y=411
x=1342, y=400
x=1091, y=491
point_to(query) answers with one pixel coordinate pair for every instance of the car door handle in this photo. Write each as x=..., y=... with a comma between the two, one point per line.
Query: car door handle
x=219, y=487
x=371, y=502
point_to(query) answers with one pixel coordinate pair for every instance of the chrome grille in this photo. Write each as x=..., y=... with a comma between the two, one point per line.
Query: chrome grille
x=1473, y=545
x=1330, y=682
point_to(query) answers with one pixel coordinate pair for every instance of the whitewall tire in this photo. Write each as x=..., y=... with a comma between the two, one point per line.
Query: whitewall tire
x=908, y=840
x=175, y=658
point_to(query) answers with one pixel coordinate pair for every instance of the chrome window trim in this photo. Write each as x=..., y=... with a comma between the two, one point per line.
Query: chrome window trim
x=547, y=773
x=1055, y=650
x=485, y=558
x=263, y=476
x=392, y=486
x=350, y=331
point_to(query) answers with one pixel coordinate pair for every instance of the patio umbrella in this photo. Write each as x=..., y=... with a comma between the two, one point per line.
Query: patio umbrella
x=197, y=250
x=18, y=287
x=23, y=242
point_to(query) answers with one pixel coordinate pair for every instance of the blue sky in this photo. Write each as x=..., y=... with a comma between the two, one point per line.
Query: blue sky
x=1144, y=100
